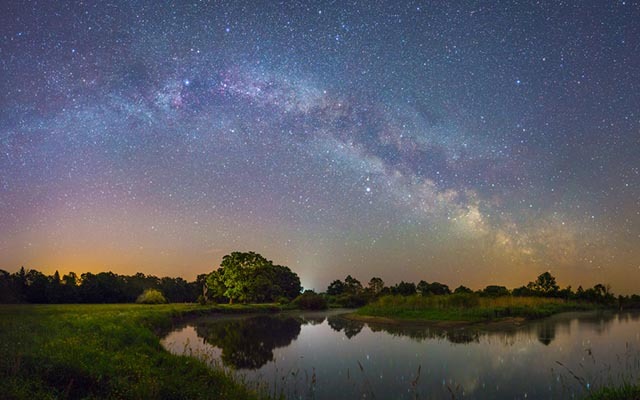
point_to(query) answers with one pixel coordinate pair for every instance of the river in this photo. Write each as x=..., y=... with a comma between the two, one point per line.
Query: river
x=321, y=355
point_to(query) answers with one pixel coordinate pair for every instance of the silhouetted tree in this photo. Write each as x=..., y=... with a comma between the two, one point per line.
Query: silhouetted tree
x=495, y=291
x=104, y=287
x=523, y=291
x=287, y=281
x=438, y=288
x=335, y=288
x=435, y=288
x=376, y=285
x=9, y=291
x=69, y=288
x=36, y=287
x=423, y=288
x=462, y=289
x=176, y=290
x=352, y=285
x=405, y=288
x=545, y=285
x=54, y=289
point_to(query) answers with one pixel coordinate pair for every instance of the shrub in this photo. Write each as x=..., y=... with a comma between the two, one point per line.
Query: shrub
x=151, y=296
x=310, y=301
x=463, y=300
x=349, y=300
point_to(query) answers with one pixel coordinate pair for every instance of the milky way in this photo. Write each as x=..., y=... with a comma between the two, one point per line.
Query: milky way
x=470, y=144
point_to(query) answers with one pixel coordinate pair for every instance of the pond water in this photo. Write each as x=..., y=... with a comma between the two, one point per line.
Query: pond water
x=321, y=355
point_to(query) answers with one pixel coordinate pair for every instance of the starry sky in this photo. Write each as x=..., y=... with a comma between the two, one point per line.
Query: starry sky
x=463, y=142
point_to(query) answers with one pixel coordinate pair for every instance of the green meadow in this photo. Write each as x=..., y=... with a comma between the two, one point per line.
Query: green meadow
x=106, y=351
x=114, y=351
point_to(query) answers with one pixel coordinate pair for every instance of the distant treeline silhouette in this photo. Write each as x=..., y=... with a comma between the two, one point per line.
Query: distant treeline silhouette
x=252, y=278
x=32, y=286
x=351, y=293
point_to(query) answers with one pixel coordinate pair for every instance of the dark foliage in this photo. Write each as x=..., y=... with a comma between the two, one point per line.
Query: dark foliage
x=310, y=301
x=404, y=288
x=350, y=328
x=32, y=286
x=494, y=291
x=249, y=343
x=462, y=290
x=435, y=288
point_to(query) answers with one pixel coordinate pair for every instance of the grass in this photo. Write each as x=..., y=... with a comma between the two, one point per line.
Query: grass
x=625, y=392
x=105, y=351
x=466, y=307
x=114, y=351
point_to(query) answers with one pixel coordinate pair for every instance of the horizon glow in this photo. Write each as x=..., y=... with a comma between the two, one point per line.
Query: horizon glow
x=460, y=143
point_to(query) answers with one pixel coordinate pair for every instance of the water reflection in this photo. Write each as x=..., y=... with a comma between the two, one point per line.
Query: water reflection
x=350, y=328
x=313, y=318
x=544, y=329
x=546, y=333
x=453, y=335
x=249, y=343
x=326, y=356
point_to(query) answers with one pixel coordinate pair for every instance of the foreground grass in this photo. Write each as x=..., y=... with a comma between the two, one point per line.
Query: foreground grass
x=104, y=351
x=466, y=307
x=625, y=392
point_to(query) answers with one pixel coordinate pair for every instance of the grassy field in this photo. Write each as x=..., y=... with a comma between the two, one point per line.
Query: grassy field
x=625, y=392
x=104, y=351
x=466, y=307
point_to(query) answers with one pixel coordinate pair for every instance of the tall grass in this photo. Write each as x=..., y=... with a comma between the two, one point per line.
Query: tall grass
x=624, y=392
x=466, y=307
x=618, y=380
x=103, y=351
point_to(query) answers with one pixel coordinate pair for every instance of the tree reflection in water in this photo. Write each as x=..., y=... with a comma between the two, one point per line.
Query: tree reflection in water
x=454, y=335
x=312, y=319
x=546, y=333
x=248, y=343
x=351, y=328
x=545, y=330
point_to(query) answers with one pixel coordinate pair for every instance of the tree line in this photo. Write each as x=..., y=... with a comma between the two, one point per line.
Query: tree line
x=248, y=277
x=351, y=293
x=32, y=286
x=242, y=277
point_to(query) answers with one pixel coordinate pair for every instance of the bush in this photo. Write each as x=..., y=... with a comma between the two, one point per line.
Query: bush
x=350, y=300
x=310, y=301
x=463, y=300
x=151, y=296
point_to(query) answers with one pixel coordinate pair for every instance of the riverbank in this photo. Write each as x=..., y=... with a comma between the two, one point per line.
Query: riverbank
x=463, y=309
x=106, y=351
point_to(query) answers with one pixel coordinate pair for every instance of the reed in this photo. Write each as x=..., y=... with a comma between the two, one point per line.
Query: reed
x=467, y=307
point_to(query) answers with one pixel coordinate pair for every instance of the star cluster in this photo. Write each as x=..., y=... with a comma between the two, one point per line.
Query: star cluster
x=468, y=143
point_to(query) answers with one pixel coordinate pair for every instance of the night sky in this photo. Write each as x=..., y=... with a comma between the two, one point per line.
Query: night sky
x=467, y=143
